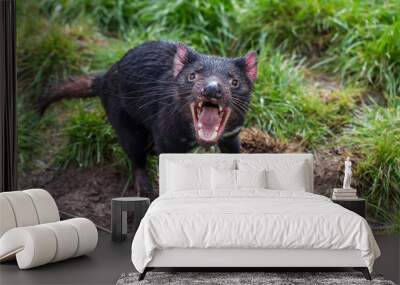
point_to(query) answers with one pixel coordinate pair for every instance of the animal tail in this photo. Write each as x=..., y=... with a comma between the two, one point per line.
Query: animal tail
x=73, y=87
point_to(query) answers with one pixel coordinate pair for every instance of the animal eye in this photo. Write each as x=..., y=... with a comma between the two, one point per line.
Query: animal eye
x=235, y=83
x=192, y=76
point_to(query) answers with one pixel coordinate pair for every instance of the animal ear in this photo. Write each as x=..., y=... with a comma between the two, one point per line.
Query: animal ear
x=180, y=59
x=251, y=65
x=248, y=64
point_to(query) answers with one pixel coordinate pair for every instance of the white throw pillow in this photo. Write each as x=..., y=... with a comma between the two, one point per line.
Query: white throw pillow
x=293, y=180
x=223, y=179
x=182, y=177
x=231, y=180
x=288, y=174
x=251, y=178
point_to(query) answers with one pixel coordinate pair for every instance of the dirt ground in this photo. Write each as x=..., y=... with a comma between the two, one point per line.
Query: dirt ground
x=81, y=192
x=87, y=192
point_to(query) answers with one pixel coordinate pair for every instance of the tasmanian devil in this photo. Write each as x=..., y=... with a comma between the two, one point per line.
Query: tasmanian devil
x=165, y=97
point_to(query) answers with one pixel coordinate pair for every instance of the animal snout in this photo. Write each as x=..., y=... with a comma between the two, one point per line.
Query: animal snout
x=213, y=90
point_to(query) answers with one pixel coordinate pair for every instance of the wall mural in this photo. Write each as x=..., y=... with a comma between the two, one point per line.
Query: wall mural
x=148, y=77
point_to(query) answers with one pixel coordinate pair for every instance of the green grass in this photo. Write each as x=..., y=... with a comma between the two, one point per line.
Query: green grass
x=29, y=135
x=376, y=136
x=91, y=139
x=110, y=50
x=357, y=40
x=112, y=17
x=46, y=51
x=29, y=142
x=207, y=25
x=283, y=105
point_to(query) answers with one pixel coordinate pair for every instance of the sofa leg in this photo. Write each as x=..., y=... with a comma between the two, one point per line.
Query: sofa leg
x=364, y=271
x=143, y=274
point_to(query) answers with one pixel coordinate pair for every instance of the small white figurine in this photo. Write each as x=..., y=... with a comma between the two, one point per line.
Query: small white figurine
x=347, y=174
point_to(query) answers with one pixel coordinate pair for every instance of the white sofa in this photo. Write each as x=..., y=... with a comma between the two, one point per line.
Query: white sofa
x=31, y=231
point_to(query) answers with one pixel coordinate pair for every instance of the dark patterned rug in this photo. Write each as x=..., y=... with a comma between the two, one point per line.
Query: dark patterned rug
x=231, y=278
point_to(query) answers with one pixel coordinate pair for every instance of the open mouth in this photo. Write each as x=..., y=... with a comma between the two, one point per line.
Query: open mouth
x=209, y=121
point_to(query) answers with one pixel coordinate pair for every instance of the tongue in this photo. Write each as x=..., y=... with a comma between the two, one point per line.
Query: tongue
x=209, y=119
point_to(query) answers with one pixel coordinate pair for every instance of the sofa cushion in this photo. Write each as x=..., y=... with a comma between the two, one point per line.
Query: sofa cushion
x=45, y=206
x=26, y=208
x=23, y=208
x=7, y=220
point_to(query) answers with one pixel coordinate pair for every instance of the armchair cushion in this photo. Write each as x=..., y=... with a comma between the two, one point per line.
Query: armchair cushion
x=40, y=244
x=31, y=230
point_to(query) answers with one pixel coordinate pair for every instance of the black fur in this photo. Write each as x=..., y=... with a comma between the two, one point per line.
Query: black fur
x=147, y=97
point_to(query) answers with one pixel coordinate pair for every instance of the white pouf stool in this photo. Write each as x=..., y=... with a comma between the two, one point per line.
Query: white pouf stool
x=31, y=230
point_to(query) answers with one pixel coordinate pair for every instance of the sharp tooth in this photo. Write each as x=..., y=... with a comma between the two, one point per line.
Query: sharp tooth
x=201, y=104
x=201, y=133
x=199, y=125
x=214, y=135
x=220, y=108
x=216, y=128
